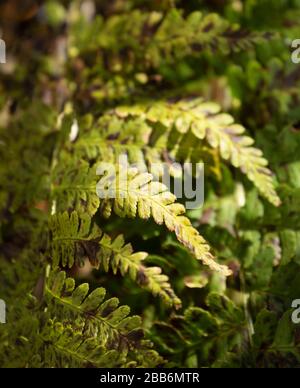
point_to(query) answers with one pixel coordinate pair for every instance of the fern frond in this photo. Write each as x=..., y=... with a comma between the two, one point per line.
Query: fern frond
x=112, y=138
x=168, y=37
x=145, y=147
x=112, y=324
x=74, y=238
x=66, y=346
x=200, y=331
x=105, y=321
x=177, y=36
x=72, y=328
x=74, y=187
x=205, y=121
x=130, y=194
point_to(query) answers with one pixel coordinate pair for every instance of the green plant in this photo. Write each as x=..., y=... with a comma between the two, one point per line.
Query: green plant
x=149, y=80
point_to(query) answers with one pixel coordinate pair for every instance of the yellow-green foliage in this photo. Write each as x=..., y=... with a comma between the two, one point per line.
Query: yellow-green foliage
x=103, y=268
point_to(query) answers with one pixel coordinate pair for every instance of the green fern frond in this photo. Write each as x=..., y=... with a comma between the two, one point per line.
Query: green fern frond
x=199, y=331
x=65, y=334
x=130, y=194
x=144, y=146
x=205, y=121
x=70, y=328
x=177, y=36
x=105, y=321
x=168, y=37
x=112, y=325
x=67, y=346
x=74, y=187
x=74, y=238
x=112, y=138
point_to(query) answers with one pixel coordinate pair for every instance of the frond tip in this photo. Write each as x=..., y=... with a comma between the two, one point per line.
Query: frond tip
x=131, y=194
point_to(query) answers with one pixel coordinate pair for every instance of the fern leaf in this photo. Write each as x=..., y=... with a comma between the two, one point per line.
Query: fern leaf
x=74, y=238
x=201, y=330
x=170, y=36
x=72, y=329
x=205, y=121
x=144, y=146
x=112, y=138
x=66, y=346
x=196, y=33
x=130, y=194
x=74, y=187
x=115, y=329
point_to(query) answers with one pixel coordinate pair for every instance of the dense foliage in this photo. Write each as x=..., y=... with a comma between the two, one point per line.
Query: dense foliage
x=89, y=81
